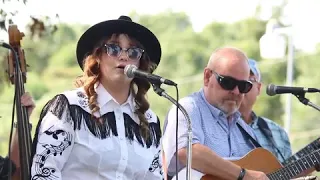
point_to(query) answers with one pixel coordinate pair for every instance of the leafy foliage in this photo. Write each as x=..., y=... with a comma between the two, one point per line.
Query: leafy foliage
x=38, y=26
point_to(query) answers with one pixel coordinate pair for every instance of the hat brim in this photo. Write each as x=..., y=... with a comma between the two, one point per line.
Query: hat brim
x=94, y=34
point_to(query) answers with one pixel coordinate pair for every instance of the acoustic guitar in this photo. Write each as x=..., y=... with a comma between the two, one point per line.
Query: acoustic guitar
x=262, y=160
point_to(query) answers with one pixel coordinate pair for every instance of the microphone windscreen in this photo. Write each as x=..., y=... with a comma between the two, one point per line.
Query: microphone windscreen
x=271, y=90
x=129, y=70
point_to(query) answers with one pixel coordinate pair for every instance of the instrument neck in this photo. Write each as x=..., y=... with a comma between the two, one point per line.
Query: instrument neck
x=293, y=169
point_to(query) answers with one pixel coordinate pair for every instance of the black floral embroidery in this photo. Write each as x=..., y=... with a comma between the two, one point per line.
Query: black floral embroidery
x=83, y=99
x=54, y=133
x=156, y=164
x=148, y=115
x=81, y=95
x=41, y=171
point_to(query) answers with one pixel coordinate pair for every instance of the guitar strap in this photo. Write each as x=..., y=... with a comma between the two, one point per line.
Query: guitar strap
x=248, y=136
x=263, y=126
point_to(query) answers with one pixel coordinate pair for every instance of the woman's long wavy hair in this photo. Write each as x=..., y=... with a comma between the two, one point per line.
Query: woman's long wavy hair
x=139, y=87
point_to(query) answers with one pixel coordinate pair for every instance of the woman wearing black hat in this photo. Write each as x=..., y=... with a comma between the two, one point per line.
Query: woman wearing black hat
x=103, y=129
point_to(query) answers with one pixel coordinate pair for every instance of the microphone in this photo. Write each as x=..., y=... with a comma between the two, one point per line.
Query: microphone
x=3, y=44
x=273, y=90
x=132, y=71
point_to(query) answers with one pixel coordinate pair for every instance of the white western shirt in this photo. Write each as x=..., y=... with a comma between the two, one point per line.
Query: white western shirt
x=69, y=145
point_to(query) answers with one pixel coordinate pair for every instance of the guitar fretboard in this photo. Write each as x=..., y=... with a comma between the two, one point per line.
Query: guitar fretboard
x=303, y=152
x=293, y=169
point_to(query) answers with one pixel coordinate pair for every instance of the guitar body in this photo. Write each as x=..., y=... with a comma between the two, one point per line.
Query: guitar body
x=262, y=160
x=258, y=159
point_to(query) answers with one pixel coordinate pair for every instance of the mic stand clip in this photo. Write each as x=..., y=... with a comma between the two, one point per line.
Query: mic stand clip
x=305, y=101
x=161, y=92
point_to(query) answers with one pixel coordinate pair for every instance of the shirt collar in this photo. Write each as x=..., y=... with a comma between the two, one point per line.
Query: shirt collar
x=105, y=97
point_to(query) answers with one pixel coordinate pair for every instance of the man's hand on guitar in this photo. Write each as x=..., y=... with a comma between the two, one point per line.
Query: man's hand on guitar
x=257, y=175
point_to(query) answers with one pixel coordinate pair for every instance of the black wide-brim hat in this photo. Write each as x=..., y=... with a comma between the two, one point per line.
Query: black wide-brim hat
x=125, y=25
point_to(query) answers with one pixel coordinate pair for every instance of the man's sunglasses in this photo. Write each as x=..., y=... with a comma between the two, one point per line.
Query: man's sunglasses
x=115, y=51
x=229, y=83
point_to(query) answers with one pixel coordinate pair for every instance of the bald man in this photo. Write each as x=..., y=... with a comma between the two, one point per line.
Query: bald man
x=219, y=134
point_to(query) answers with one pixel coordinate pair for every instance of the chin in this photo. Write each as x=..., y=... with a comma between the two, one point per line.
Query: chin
x=231, y=109
x=119, y=78
x=122, y=79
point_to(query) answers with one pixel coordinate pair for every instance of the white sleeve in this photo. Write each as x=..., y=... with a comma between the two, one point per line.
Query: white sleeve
x=53, y=141
x=169, y=137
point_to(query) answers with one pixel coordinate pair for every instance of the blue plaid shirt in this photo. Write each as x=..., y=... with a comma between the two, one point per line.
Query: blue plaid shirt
x=280, y=137
x=210, y=127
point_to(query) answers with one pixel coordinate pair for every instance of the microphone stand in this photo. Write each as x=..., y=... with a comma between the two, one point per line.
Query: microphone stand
x=161, y=92
x=305, y=101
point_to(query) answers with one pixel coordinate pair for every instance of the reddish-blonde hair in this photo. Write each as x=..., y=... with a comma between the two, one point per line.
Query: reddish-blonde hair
x=91, y=75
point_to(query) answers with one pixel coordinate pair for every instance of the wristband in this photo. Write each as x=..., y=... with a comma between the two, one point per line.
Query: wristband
x=242, y=173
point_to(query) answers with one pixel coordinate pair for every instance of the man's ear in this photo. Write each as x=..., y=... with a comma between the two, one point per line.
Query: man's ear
x=206, y=76
x=259, y=87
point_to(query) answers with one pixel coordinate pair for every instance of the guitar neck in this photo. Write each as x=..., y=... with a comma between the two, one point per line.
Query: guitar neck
x=293, y=169
x=303, y=152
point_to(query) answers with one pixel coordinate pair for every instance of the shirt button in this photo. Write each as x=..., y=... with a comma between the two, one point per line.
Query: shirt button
x=121, y=138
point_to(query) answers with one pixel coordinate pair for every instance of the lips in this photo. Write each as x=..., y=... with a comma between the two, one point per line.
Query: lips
x=121, y=66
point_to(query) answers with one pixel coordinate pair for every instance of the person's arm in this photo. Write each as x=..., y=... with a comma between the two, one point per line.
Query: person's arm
x=168, y=140
x=28, y=102
x=54, y=140
x=14, y=156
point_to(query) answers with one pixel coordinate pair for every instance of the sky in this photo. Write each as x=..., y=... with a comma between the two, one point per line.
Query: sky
x=201, y=12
